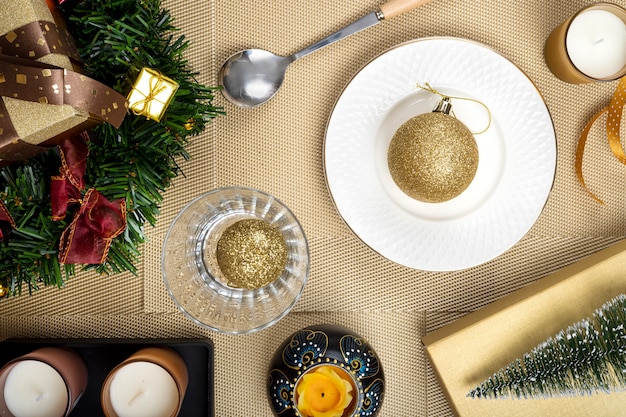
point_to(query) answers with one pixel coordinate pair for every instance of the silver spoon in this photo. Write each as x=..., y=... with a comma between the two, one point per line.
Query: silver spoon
x=253, y=76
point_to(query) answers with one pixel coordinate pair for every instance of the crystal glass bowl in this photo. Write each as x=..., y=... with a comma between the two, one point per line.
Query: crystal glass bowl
x=192, y=275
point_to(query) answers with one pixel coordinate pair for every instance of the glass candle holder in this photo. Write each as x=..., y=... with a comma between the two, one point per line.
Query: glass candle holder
x=325, y=369
x=151, y=382
x=590, y=46
x=46, y=382
x=193, y=276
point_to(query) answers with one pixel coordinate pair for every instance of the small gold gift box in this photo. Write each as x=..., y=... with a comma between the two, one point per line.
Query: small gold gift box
x=464, y=353
x=151, y=94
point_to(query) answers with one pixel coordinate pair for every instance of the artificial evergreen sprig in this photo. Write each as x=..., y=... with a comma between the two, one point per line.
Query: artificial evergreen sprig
x=588, y=357
x=116, y=39
x=29, y=253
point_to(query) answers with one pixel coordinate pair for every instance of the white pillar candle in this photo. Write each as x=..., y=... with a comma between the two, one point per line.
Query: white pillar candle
x=596, y=43
x=35, y=389
x=143, y=389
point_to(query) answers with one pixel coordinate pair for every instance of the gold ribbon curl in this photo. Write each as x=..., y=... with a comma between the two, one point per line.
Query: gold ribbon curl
x=614, y=112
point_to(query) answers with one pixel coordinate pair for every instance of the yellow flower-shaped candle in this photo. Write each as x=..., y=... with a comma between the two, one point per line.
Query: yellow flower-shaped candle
x=322, y=392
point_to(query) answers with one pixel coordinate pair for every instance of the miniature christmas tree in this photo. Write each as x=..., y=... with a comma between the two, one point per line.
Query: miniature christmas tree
x=588, y=357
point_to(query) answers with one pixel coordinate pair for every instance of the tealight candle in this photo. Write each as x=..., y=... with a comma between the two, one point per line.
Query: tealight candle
x=35, y=389
x=47, y=382
x=151, y=383
x=325, y=391
x=590, y=46
x=596, y=43
x=143, y=389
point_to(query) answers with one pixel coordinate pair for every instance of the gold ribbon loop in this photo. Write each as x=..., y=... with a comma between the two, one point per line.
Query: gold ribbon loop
x=580, y=150
x=613, y=125
x=614, y=119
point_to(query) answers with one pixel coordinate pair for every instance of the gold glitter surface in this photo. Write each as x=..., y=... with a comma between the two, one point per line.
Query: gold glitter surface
x=35, y=122
x=433, y=157
x=251, y=254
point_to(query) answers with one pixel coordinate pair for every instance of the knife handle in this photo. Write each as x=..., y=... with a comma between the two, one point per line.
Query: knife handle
x=395, y=8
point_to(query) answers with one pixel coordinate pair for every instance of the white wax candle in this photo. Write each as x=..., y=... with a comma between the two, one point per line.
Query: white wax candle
x=143, y=389
x=35, y=389
x=596, y=43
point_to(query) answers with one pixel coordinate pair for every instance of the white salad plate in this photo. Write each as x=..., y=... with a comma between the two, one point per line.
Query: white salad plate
x=517, y=154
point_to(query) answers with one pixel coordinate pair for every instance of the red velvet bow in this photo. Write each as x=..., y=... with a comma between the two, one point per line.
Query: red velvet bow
x=5, y=217
x=67, y=186
x=88, y=238
x=97, y=222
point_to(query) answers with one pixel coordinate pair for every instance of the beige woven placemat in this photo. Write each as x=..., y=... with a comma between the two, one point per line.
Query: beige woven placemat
x=278, y=148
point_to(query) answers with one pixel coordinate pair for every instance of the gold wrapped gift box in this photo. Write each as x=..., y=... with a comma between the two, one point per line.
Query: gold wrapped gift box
x=466, y=352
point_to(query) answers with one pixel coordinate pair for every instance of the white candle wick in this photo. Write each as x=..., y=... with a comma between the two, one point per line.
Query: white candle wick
x=135, y=398
x=599, y=41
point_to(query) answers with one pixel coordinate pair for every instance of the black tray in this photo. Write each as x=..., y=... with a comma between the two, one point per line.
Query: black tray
x=102, y=355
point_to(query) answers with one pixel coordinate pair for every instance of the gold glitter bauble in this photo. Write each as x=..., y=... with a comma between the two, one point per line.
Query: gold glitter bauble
x=251, y=254
x=4, y=291
x=433, y=157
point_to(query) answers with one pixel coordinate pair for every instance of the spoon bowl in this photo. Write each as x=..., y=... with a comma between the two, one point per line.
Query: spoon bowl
x=253, y=76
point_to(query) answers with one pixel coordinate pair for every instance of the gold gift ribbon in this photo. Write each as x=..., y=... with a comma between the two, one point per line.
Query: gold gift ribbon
x=613, y=124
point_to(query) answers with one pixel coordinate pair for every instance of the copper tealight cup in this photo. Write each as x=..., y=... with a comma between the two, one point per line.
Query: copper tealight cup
x=53, y=377
x=156, y=377
x=559, y=59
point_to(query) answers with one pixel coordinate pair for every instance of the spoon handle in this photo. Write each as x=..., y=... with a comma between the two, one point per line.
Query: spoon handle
x=395, y=8
x=390, y=9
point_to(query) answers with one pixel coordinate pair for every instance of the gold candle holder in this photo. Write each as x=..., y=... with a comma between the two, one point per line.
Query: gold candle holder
x=51, y=379
x=587, y=47
x=154, y=378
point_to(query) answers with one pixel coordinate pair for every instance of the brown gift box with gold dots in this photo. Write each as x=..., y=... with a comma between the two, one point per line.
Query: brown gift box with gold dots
x=43, y=99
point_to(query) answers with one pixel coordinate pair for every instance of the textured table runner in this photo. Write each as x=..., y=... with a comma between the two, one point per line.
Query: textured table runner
x=278, y=148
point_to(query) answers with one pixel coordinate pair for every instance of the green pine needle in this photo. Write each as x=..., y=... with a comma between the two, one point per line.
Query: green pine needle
x=588, y=357
x=116, y=39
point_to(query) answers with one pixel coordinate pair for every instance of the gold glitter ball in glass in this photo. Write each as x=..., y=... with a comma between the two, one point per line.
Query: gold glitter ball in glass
x=433, y=157
x=251, y=254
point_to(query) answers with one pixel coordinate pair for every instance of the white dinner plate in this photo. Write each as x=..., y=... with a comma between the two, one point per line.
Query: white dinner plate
x=517, y=155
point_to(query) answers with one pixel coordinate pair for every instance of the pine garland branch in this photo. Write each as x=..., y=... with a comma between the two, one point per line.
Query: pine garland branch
x=586, y=358
x=29, y=255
